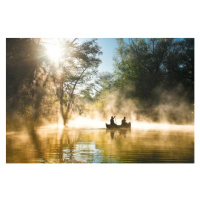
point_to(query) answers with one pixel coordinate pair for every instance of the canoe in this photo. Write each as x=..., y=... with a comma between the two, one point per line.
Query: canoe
x=108, y=126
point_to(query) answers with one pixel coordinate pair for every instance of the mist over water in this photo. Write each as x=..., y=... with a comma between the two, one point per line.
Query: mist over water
x=84, y=122
x=98, y=145
x=172, y=112
x=85, y=139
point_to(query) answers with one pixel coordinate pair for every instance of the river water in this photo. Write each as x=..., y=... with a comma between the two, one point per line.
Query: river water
x=56, y=145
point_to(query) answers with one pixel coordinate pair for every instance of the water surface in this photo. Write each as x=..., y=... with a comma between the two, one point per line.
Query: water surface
x=54, y=145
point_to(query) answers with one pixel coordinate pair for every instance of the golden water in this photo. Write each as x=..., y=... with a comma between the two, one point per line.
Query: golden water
x=57, y=145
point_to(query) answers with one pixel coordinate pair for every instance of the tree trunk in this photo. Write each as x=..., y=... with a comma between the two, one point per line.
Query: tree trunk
x=67, y=112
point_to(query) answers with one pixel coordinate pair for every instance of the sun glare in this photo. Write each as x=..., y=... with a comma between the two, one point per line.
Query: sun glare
x=55, y=52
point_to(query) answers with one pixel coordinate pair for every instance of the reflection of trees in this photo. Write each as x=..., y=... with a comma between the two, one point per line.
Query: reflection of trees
x=68, y=146
x=68, y=140
x=44, y=145
x=20, y=148
x=54, y=143
x=71, y=146
x=36, y=142
x=136, y=147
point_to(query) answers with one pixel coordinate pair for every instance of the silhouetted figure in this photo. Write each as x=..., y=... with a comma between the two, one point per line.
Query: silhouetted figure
x=124, y=121
x=112, y=121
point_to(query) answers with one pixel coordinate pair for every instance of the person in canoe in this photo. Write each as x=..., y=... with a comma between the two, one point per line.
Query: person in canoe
x=112, y=120
x=114, y=125
x=124, y=122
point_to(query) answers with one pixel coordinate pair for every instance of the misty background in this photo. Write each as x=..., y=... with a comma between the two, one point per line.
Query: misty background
x=152, y=80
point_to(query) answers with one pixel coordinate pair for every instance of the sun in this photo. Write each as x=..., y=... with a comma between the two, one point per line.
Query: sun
x=55, y=52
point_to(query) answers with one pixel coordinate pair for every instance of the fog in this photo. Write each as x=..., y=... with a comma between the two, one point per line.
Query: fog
x=172, y=112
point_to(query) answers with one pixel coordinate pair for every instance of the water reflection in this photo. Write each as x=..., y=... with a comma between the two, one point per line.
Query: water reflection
x=84, y=153
x=122, y=132
x=100, y=146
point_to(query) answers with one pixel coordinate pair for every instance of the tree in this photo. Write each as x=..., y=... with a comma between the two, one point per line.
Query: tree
x=79, y=64
x=23, y=60
x=145, y=67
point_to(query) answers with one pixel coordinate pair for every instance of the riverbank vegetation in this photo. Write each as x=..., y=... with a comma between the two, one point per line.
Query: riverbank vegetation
x=153, y=79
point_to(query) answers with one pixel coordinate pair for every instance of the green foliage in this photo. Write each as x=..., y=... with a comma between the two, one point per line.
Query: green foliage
x=145, y=64
x=145, y=69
